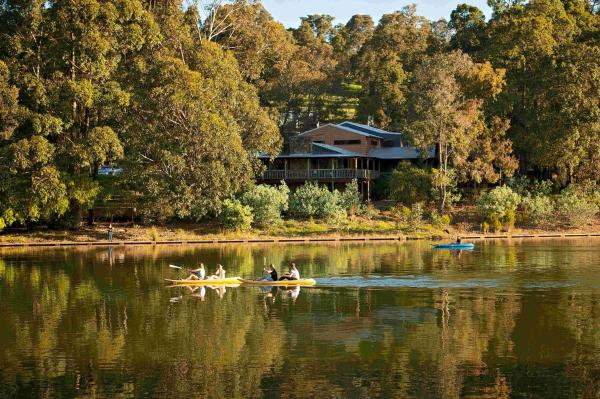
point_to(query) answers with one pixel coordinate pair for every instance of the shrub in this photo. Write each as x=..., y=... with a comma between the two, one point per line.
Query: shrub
x=350, y=199
x=154, y=234
x=266, y=202
x=235, y=216
x=498, y=205
x=312, y=200
x=574, y=208
x=485, y=227
x=381, y=187
x=495, y=223
x=413, y=217
x=409, y=184
x=538, y=210
x=509, y=220
x=440, y=221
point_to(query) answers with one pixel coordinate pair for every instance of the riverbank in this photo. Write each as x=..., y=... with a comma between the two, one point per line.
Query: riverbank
x=287, y=232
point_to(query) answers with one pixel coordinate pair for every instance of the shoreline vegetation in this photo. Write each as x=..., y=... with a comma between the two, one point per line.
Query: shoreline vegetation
x=164, y=114
x=355, y=229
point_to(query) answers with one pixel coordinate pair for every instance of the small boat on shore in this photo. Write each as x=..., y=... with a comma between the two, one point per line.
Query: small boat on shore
x=214, y=281
x=454, y=245
x=303, y=281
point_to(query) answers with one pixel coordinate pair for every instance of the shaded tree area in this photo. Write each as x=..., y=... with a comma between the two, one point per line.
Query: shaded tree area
x=86, y=83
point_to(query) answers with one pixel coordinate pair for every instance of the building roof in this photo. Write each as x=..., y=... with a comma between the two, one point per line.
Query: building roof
x=320, y=150
x=332, y=149
x=342, y=127
x=396, y=151
x=399, y=153
x=394, y=137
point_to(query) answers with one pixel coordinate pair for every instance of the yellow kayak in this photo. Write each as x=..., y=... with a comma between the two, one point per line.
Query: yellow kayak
x=215, y=281
x=303, y=281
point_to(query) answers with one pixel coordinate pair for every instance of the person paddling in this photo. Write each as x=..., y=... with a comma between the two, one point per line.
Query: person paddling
x=198, y=274
x=219, y=273
x=270, y=273
x=294, y=274
x=458, y=240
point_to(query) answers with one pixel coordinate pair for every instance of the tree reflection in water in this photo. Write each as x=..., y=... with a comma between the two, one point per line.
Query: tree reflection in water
x=93, y=322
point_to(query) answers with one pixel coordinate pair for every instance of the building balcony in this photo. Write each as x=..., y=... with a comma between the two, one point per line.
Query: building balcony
x=319, y=174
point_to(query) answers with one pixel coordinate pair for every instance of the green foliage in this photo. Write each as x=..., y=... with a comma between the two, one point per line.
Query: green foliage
x=267, y=202
x=235, y=216
x=412, y=217
x=409, y=184
x=485, y=227
x=440, y=221
x=447, y=101
x=312, y=200
x=350, y=198
x=574, y=208
x=445, y=187
x=499, y=205
x=539, y=210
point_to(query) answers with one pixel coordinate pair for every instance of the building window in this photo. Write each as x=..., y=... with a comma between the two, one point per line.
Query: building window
x=346, y=142
x=374, y=142
x=318, y=141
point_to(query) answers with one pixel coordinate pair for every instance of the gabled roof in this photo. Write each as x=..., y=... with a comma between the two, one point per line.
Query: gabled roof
x=346, y=128
x=394, y=137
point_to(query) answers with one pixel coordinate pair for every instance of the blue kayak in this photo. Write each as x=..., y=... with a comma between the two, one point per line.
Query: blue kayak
x=466, y=245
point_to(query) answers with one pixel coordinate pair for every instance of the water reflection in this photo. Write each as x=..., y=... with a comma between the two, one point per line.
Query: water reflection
x=389, y=320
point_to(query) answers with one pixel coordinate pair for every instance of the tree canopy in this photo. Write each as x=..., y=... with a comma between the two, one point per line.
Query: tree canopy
x=186, y=96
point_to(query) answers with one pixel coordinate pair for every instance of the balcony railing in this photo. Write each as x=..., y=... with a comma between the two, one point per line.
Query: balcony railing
x=320, y=174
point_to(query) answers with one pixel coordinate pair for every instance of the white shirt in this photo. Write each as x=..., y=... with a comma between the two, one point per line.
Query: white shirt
x=295, y=274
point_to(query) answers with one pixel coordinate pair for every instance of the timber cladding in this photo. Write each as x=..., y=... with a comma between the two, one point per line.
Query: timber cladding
x=339, y=137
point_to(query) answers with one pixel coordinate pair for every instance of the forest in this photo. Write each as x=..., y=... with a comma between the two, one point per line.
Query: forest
x=185, y=95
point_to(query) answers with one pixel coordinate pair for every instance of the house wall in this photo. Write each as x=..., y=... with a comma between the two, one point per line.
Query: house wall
x=328, y=134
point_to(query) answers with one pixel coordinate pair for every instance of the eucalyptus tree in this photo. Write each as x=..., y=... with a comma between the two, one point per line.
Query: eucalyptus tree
x=448, y=96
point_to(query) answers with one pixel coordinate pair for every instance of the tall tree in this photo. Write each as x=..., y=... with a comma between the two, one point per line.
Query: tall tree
x=399, y=42
x=526, y=41
x=468, y=24
x=447, y=99
x=196, y=127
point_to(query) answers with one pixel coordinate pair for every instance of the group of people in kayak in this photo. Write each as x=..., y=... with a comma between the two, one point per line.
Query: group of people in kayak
x=200, y=273
x=270, y=273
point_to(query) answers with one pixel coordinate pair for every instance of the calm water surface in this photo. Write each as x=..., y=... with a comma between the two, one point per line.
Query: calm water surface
x=509, y=319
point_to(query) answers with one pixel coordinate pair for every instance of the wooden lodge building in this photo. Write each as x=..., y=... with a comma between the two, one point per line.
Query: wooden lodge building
x=337, y=154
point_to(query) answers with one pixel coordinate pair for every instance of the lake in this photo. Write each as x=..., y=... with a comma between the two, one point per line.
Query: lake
x=510, y=319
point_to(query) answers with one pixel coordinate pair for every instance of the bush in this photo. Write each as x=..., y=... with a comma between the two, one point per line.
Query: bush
x=312, y=200
x=409, y=184
x=495, y=223
x=440, y=221
x=574, y=208
x=235, y=216
x=266, y=203
x=498, y=205
x=350, y=199
x=538, y=210
x=412, y=217
x=509, y=220
x=485, y=227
